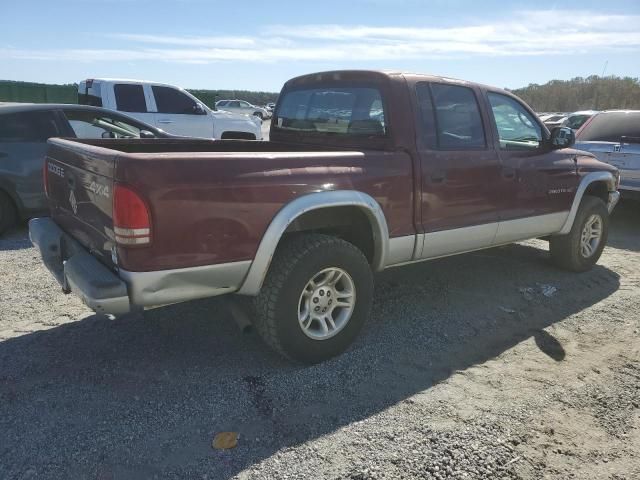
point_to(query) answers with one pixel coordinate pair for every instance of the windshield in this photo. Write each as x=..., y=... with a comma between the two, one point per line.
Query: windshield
x=342, y=111
x=576, y=121
x=610, y=127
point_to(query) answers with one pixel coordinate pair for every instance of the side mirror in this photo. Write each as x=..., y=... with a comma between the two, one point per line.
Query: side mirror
x=562, y=137
x=198, y=109
x=146, y=134
x=106, y=134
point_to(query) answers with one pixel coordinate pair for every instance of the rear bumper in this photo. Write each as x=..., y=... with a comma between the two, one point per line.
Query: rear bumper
x=108, y=292
x=77, y=271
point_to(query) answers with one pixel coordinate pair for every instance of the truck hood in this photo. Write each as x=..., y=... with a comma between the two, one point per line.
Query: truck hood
x=235, y=116
x=588, y=162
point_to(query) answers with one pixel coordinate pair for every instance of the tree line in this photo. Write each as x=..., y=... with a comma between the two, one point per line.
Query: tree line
x=30, y=92
x=590, y=93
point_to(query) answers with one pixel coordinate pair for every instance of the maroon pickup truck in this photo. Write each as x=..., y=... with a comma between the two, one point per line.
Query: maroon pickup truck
x=364, y=171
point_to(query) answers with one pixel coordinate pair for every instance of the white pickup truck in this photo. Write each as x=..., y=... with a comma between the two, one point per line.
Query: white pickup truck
x=169, y=108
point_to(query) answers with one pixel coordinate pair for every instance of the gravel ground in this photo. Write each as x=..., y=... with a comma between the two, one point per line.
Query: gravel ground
x=470, y=367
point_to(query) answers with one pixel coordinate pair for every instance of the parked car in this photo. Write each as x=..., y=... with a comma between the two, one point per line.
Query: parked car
x=24, y=130
x=167, y=107
x=240, y=106
x=577, y=119
x=546, y=115
x=555, y=120
x=351, y=182
x=613, y=136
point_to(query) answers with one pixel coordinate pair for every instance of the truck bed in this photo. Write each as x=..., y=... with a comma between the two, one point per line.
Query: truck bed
x=210, y=202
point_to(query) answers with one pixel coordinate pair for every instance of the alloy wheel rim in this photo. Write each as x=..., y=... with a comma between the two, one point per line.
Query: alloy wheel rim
x=326, y=303
x=591, y=236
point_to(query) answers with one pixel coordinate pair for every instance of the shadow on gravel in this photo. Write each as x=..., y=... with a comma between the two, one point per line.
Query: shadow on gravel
x=140, y=397
x=625, y=226
x=15, y=239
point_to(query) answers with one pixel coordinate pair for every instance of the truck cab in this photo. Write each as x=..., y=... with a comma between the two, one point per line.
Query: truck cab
x=167, y=107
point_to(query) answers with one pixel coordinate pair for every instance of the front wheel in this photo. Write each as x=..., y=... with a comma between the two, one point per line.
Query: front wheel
x=315, y=298
x=580, y=249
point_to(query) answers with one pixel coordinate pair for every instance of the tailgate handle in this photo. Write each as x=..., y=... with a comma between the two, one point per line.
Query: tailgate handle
x=72, y=182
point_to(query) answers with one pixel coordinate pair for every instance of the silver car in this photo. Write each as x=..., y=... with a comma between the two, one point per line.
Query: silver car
x=240, y=106
x=613, y=136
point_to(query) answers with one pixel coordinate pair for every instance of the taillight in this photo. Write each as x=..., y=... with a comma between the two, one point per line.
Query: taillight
x=131, y=219
x=45, y=177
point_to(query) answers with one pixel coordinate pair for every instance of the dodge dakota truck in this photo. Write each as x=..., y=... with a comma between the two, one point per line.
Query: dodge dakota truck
x=364, y=171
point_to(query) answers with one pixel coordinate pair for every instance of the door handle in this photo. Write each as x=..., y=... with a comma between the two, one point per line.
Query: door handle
x=438, y=177
x=165, y=120
x=509, y=173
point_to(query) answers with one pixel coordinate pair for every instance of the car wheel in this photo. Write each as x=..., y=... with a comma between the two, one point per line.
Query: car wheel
x=8, y=213
x=581, y=248
x=315, y=298
x=259, y=115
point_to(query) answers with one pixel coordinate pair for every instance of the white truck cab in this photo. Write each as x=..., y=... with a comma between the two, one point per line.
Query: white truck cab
x=168, y=107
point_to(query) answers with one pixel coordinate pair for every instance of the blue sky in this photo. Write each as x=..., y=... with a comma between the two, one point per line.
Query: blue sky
x=258, y=45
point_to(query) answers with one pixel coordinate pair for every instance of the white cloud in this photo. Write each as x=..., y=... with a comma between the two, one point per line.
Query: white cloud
x=526, y=33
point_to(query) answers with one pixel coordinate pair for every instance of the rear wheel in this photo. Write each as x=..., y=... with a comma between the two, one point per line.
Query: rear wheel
x=315, y=298
x=8, y=213
x=581, y=248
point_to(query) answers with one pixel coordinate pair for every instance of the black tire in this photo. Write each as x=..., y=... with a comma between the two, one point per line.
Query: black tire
x=259, y=115
x=295, y=263
x=8, y=213
x=566, y=250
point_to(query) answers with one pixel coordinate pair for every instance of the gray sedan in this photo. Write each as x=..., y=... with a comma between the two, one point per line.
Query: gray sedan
x=613, y=136
x=24, y=130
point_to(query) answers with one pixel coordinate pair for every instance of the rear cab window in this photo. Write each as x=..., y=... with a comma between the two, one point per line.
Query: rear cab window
x=90, y=93
x=130, y=98
x=611, y=127
x=345, y=111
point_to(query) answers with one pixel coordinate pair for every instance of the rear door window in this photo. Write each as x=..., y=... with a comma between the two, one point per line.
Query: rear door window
x=457, y=115
x=130, y=98
x=29, y=127
x=171, y=100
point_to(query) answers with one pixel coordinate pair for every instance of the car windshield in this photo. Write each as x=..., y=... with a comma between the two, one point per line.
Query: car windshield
x=333, y=110
x=611, y=127
x=576, y=121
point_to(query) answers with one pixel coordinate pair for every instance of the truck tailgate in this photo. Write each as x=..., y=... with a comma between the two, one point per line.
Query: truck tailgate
x=79, y=181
